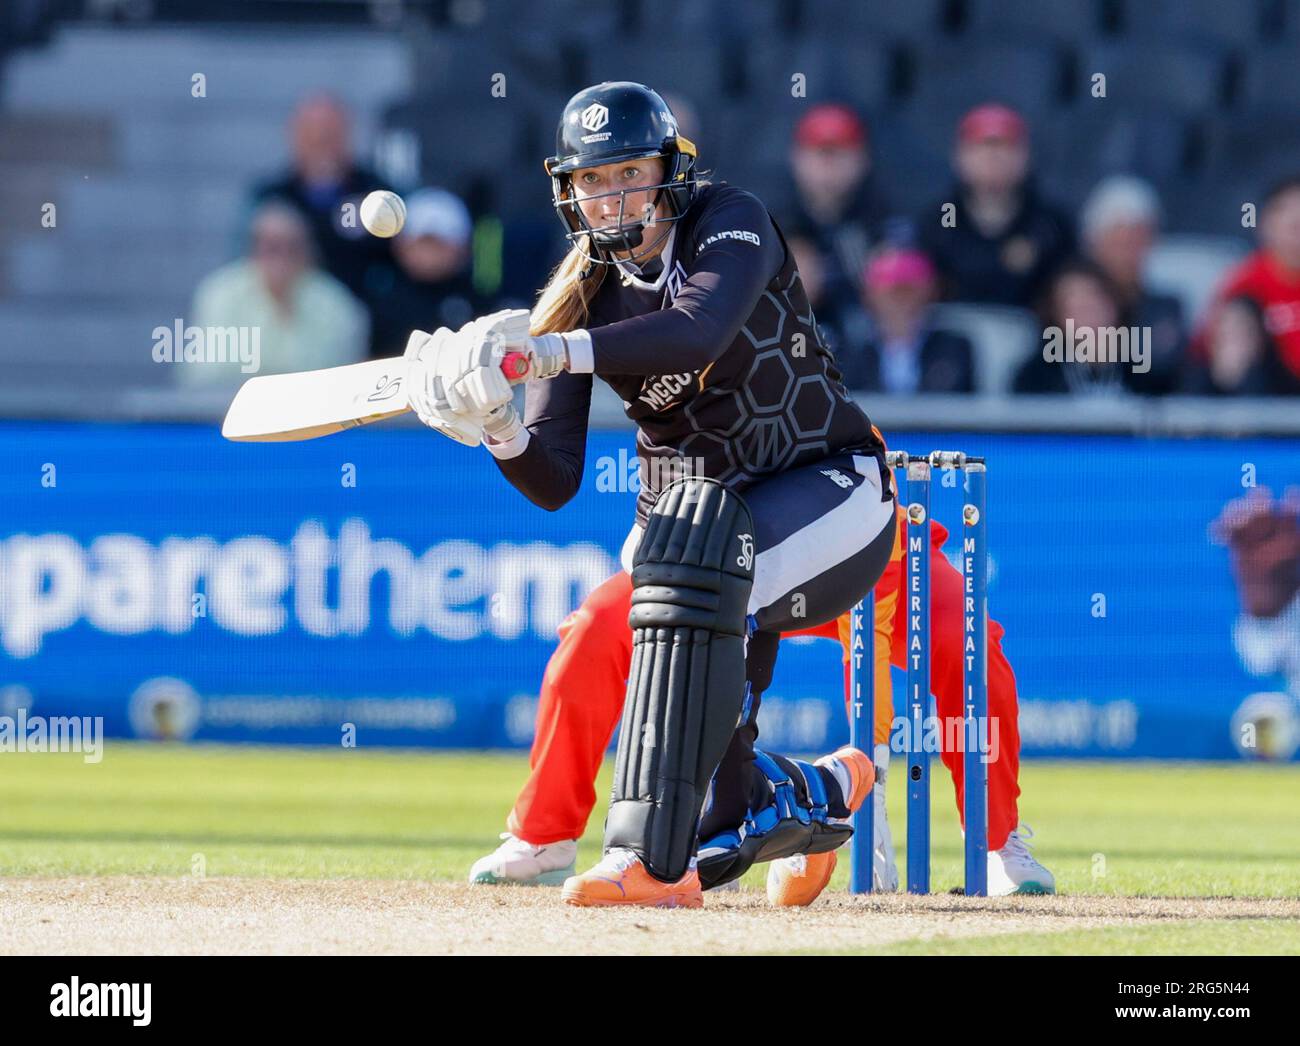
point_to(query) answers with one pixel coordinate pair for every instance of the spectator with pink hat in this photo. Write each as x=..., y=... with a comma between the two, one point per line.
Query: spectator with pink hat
x=904, y=352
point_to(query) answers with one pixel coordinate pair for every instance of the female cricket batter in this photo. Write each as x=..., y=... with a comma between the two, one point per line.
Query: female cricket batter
x=765, y=504
x=582, y=698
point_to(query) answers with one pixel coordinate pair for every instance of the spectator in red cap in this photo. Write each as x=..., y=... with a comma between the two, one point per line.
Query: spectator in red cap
x=1271, y=278
x=904, y=353
x=993, y=237
x=833, y=204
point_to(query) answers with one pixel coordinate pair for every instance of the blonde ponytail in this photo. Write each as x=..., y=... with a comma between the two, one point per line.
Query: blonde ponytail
x=564, y=301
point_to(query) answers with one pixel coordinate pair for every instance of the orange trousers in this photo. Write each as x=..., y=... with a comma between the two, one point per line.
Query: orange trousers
x=586, y=682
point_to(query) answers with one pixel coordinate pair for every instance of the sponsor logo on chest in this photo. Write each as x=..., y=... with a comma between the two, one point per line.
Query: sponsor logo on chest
x=659, y=393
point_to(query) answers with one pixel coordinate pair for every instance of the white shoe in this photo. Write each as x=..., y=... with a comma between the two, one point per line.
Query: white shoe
x=525, y=864
x=884, y=868
x=1013, y=869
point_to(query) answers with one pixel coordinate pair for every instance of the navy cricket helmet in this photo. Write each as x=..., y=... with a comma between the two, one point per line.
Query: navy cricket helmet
x=606, y=123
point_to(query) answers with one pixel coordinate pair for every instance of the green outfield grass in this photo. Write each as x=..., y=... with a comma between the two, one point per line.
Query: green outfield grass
x=1164, y=829
x=1200, y=937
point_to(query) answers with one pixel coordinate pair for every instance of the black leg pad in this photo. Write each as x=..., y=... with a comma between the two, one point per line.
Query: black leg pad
x=691, y=577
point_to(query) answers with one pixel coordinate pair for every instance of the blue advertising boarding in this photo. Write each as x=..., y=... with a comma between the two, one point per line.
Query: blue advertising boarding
x=180, y=585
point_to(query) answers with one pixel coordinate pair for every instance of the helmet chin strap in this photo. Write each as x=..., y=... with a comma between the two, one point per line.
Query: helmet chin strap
x=624, y=238
x=645, y=255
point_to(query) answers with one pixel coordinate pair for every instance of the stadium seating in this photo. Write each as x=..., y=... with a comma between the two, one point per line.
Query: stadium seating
x=858, y=69
x=1238, y=25
x=912, y=169
x=1190, y=267
x=702, y=69
x=1068, y=24
x=1027, y=75
x=1151, y=141
x=1269, y=82
x=1201, y=101
x=1186, y=77
x=150, y=188
x=915, y=20
x=1002, y=339
x=1264, y=145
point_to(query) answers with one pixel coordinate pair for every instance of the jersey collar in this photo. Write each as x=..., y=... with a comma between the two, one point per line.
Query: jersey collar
x=631, y=274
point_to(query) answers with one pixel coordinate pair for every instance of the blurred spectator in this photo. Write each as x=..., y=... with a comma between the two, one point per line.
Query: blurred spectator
x=1000, y=242
x=833, y=204
x=303, y=317
x=1118, y=224
x=1081, y=300
x=323, y=178
x=904, y=353
x=432, y=285
x=840, y=323
x=1242, y=358
x=1271, y=277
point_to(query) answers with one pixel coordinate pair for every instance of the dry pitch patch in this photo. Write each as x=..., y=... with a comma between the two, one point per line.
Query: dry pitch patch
x=125, y=915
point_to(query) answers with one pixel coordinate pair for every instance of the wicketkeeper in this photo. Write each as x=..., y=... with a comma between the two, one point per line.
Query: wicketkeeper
x=582, y=701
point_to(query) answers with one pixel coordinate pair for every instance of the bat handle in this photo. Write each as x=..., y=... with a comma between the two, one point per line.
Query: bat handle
x=515, y=367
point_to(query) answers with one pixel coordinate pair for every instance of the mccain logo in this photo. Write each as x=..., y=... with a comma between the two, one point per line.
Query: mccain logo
x=661, y=392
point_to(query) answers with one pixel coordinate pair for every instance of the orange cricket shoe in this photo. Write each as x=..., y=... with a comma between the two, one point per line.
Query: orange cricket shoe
x=798, y=880
x=620, y=878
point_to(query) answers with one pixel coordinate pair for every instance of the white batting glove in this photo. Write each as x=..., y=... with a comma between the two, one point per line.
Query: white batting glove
x=548, y=355
x=426, y=390
x=470, y=365
x=509, y=325
x=502, y=424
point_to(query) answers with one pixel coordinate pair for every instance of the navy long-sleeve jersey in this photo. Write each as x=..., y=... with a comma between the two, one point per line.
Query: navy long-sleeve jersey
x=716, y=356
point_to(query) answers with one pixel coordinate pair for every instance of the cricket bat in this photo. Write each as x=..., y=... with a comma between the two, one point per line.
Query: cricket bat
x=281, y=408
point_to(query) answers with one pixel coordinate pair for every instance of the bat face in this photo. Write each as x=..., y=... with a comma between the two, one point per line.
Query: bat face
x=279, y=408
